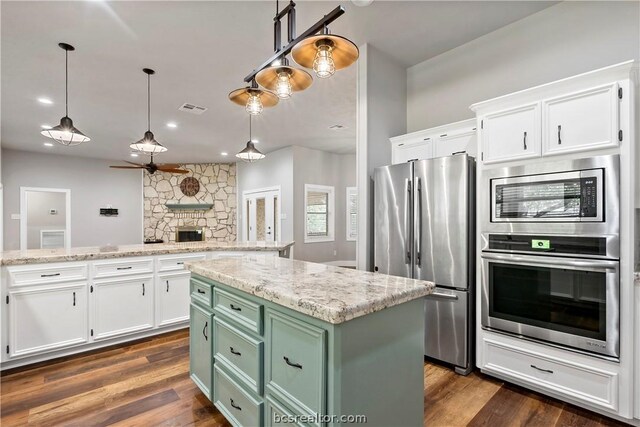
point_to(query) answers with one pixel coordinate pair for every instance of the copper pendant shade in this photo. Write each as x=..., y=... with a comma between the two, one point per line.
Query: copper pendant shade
x=343, y=50
x=299, y=79
x=242, y=96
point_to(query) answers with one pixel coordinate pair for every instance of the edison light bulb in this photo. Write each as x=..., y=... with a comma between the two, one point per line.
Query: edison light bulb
x=283, y=85
x=323, y=63
x=254, y=105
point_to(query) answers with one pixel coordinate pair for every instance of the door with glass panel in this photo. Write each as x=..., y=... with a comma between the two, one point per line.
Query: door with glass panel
x=261, y=215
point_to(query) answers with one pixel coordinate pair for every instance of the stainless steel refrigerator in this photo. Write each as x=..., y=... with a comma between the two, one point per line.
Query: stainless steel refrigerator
x=424, y=213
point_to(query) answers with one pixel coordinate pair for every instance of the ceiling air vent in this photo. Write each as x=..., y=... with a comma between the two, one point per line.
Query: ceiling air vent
x=193, y=109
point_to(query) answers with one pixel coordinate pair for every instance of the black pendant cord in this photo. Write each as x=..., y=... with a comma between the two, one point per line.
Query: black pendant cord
x=148, y=102
x=250, y=129
x=66, y=83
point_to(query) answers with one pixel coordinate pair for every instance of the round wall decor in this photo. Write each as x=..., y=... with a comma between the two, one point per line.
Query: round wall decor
x=190, y=186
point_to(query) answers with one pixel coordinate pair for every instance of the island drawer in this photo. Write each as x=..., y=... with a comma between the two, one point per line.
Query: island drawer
x=238, y=406
x=594, y=386
x=246, y=313
x=277, y=414
x=239, y=351
x=176, y=263
x=46, y=274
x=201, y=292
x=124, y=267
x=296, y=362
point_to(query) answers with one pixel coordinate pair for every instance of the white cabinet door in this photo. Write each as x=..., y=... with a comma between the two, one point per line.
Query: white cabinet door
x=581, y=121
x=46, y=318
x=455, y=143
x=403, y=152
x=173, y=298
x=512, y=134
x=122, y=306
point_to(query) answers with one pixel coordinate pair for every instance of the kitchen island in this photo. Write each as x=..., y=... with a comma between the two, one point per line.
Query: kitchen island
x=274, y=339
x=63, y=301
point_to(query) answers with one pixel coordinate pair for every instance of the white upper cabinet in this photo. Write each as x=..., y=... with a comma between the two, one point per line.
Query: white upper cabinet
x=581, y=121
x=418, y=148
x=441, y=141
x=511, y=134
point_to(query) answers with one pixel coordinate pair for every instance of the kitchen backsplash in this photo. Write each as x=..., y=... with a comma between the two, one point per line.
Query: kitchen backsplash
x=217, y=186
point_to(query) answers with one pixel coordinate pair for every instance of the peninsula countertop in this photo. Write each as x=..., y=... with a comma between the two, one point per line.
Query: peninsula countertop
x=38, y=256
x=328, y=293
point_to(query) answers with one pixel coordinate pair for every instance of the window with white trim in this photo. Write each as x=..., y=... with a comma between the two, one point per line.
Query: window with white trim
x=319, y=208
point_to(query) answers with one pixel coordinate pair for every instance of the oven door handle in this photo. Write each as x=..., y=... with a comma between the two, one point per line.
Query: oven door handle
x=591, y=264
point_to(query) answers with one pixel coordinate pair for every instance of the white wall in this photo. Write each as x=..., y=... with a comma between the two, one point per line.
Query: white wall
x=93, y=185
x=563, y=40
x=275, y=169
x=381, y=114
x=39, y=204
x=323, y=168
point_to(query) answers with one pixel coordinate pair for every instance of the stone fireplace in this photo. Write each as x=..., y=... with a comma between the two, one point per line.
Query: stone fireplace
x=217, y=187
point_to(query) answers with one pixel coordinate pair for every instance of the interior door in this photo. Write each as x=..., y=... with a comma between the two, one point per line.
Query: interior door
x=441, y=250
x=393, y=191
x=262, y=216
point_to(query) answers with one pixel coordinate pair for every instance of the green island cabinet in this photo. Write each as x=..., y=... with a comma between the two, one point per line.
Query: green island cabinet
x=263, y=364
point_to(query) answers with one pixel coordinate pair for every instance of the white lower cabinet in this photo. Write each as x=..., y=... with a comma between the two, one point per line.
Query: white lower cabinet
x=46, y=318
x=122, y=306
x=173, y=298
x=595, y=386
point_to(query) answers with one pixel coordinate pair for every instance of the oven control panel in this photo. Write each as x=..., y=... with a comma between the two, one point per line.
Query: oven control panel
x=573, y=245
x=588, y=197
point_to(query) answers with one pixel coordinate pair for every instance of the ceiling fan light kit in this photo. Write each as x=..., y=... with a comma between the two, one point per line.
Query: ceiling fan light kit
x=66, y=133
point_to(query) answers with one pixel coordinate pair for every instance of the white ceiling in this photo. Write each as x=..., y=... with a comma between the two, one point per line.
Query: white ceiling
x=201, y=51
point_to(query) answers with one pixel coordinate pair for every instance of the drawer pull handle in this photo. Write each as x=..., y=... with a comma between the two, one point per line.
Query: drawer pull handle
x=233, y=307
x=548, y=371
x=234, y=405
x=167, y=286
x=180, y=263
x=50, y=275
x=524, y=140
x=559, y=139
x=237, y=353
x=124, y=268
x=295, y=365
x=204, y=331
x=200, y=291
x=74, y=299
x=143, y=289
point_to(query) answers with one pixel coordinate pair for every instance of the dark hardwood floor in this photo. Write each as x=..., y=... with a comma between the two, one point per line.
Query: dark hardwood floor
x=147, y=383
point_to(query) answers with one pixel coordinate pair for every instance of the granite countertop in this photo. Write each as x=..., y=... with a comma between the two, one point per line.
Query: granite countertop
x=332, y=294
x=37, y=256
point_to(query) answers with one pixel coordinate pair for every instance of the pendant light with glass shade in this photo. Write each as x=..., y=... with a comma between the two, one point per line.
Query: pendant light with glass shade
x=325, y=53
x=253, y=98
x=66, y=133
x=250, y=153
x=148, y=143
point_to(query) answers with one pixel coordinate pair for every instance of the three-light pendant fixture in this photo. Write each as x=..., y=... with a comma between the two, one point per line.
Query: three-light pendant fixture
x=315, y=49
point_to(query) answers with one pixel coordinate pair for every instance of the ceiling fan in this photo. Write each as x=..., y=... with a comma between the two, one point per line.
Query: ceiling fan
x=153, y=167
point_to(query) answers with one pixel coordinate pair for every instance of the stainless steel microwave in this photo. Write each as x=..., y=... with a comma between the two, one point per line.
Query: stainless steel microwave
x=575, y=196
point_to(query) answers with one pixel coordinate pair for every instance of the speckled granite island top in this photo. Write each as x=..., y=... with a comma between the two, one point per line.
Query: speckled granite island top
x=37, y=256
x=332, y=294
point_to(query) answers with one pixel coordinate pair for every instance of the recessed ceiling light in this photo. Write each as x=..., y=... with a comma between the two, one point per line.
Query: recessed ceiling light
x=134, y=155
x=46, y=126
x=172, y=125
x=45, y=101
x=224, y=153
x=48, y=144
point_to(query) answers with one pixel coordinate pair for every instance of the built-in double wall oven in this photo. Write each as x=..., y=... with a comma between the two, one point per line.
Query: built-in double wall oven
x=551, y=254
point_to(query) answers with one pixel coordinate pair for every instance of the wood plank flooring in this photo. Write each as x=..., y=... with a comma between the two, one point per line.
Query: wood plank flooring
x=147, y=383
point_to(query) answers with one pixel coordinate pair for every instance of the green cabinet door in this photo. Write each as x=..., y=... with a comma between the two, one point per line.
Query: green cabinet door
x=201, y=349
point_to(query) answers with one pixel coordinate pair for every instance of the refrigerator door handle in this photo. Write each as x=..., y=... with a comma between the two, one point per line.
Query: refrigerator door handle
x=436, y=294
x=419, y=223
x=407, y=219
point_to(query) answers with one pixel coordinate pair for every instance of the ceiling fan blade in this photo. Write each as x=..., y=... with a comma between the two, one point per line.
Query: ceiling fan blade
x=137, y=164
x=168, y=165
x=127, y=167
x=172, y=170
